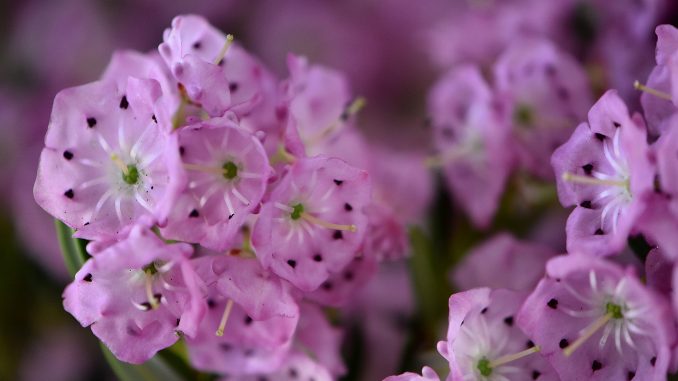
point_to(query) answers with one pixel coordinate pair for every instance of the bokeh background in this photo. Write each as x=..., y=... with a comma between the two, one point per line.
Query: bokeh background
x=391, y=50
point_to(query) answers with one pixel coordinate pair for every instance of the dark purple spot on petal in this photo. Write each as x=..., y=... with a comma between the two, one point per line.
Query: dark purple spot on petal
x=508, y=321
x=348, y=276
x=155, y=120
x=69, y=193
x=91, y=122
x=348, y=207
x=326, y=286
x=616, y=124
x=318, y=258
x=68, y=155
x=553, y=303
x=600, y=137
x=337, y=234
x=233, y=87
x=563, y=343
x=338, y=182
x=124, y=104
x=225, y=347
x=588, y=168
x=596, y=365
x=182, y=150
x=197, y=45
x=87, y=278
x=211, y=303
x=535, y=374
x=599, y=231
x=586, y=204
x=177, y=322
x=630, y=375
x=530, y=343
x=292, y=263
x=194, y=213
x=483, y=311
x=248, y=320
x=653, y=360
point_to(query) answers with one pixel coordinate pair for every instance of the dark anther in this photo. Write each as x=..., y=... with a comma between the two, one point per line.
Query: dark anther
x=596, y=365
x=91, y=122
x=69, y=193
x=194, y=213
x=292, y=263
x=348, y=207
x=338, y=182
x=508, y=321
x=586, y=204
x=123, y=102
x=337, y=234
x=87, y=278
x=68, y=155
x=553, y=303
x=563, y=343
x=588, y=168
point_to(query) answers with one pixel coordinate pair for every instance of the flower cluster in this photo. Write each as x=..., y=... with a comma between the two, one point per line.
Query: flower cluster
x=221, y=205
x=597, y=313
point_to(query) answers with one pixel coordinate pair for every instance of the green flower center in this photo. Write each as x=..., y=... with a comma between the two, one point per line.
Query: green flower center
x=131, y=177
x=615, y=310
x=523, y=115
x=297, y=210
x=150, y=269
x=230, y=170
x=484, y=367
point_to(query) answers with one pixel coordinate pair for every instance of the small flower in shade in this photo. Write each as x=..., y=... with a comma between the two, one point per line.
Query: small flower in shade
x=342, y=287
x=388, y=234
x=503, y=262
x=484, y=343
x=471, y=140
x=245, y=346
x=546, y=93
x=106, y=162
x=297, y=366
x=316, y=335
x=427, y=374
x=597, y=321
x=137, y=295
x=313, y=223
x=193, y=50
x=659, y=94
x=666, y=149
x=227, y=172
x=604, y=170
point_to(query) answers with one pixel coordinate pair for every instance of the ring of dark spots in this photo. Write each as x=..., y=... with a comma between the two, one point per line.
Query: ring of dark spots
x=194, y=213
x=553, y=303
x=233, y=87
x=87, y=278
x=599, y=231
x=600, y=136
x=91, y=122
x=535, y=374
x=124, y=104
x=653, y=360
x=588, y=168
x=530, y=343
x=508, y=321
x=348, y=207
x=69, y=194
x=248, y=320
x=630, y=375
x=338, y=182
x=292, y=263
x=348, y=276
x=586, y=204
x=326, y=286
x=563, y=343
x=68, y=155
x=483, y=311
x=225, y=347
x=337, y=234
x=155, y=120
x=616, y=124
x=197, y=45
x=318, y=258
x=596, y=365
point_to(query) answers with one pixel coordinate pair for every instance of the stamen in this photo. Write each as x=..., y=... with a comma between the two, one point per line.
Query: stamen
x=513, y=357
x=568, y=176
x=120, y=164
x=224, y=318
x=224, y=49
x=328, y=225
x=657, y=93
x=352, y=109
x=149, y=292
x=587, y=333
x=282, y=156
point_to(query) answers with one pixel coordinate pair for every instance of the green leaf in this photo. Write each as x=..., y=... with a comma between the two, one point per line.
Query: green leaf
x=72, y=249
x=154, y=369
